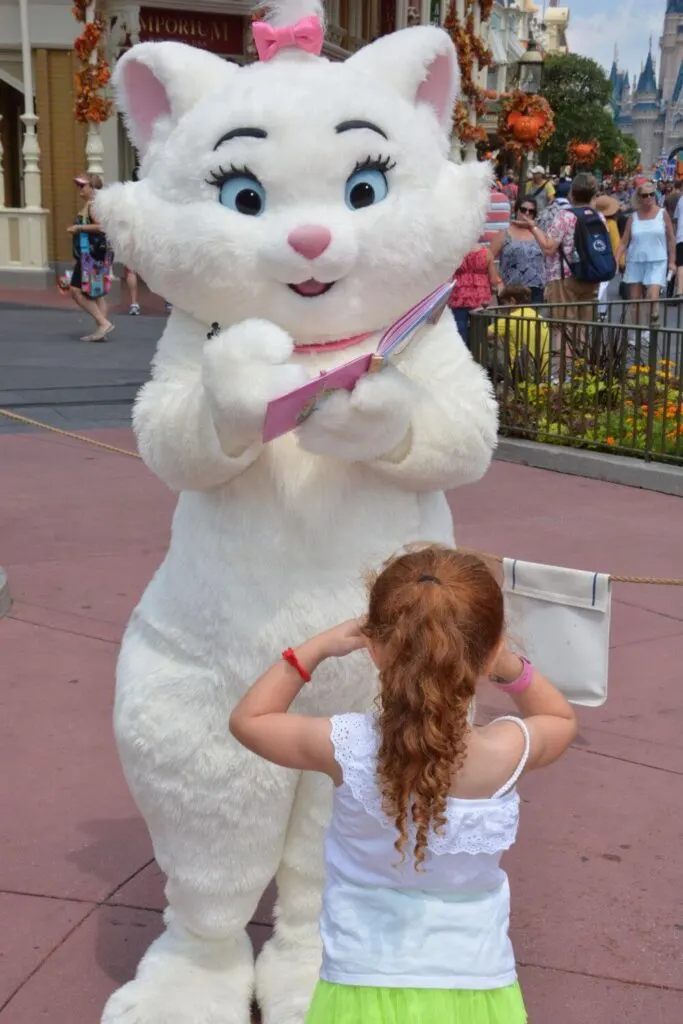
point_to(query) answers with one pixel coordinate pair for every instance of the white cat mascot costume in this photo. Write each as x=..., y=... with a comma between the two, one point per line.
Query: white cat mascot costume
x=303, y=205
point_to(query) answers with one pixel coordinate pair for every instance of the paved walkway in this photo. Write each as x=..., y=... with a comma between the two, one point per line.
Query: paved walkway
x=596, y=876
x=47, y=373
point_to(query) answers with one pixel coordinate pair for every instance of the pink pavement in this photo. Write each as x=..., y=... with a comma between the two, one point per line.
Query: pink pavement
x=597, y=919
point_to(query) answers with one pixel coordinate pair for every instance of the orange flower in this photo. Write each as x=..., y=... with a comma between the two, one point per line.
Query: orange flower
x=610, y=440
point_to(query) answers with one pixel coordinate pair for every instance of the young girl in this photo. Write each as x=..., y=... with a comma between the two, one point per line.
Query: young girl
x=526, y=333
x=415, y=913
x=475, y=279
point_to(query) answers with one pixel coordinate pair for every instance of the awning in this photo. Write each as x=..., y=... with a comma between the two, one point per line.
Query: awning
x=502, y=54
x=497, y=49
x=515, y=49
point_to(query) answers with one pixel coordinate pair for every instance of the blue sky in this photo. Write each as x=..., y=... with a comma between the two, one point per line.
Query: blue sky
x=596, y=25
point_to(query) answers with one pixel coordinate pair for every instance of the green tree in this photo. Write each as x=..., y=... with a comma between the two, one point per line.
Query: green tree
x=629, y=148
x=579, y=92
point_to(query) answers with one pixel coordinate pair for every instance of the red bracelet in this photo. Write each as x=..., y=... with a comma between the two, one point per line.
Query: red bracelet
x=291, y=659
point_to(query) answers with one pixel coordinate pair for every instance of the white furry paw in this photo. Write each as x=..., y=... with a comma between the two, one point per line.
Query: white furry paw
x=363, y=424
x=141, y=1003
x=244, y=368
x=286, y=975
x=188, y=981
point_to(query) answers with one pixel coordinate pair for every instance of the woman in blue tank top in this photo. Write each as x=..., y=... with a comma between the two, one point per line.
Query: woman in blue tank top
x=416, y=907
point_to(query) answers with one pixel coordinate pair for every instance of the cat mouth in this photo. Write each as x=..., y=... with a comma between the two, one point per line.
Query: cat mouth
x=311, y=289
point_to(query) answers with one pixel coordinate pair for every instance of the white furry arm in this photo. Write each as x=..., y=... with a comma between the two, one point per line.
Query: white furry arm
x=199, y=420
x=454, y=416
x=178, y=440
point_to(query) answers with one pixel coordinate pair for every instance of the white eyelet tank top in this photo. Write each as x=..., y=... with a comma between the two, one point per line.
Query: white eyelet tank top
x=648, y=239
x=385, y=924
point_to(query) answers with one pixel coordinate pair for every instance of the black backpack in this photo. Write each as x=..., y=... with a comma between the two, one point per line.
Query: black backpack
x=596, y=262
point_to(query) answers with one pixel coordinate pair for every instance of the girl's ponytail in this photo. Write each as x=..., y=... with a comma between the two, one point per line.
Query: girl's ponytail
x=435, y=616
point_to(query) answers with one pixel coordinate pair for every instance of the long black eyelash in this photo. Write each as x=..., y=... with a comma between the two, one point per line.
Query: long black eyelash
x=375, y=163
x=220, y=176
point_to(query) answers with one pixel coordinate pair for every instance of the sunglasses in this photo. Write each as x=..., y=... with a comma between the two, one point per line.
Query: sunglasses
x=647, y=195
x=529, y=210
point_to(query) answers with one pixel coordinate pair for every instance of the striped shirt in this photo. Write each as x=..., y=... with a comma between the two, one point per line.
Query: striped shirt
x=498, y=217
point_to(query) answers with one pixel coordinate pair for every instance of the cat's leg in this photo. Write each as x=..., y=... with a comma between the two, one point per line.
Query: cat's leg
x=287, y=969
x=218, y=818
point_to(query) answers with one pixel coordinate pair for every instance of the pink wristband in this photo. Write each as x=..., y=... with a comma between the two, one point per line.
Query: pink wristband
x=522, y=682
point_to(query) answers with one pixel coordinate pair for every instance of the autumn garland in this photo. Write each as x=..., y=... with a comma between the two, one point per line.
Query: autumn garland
x=90, y=106
x=469, y=48
x=518, y=106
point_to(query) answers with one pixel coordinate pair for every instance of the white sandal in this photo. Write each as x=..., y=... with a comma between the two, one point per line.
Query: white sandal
x=101, y=335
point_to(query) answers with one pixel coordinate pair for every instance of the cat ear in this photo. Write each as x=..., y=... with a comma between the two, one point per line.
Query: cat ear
x=159, y=82
x=420, y=63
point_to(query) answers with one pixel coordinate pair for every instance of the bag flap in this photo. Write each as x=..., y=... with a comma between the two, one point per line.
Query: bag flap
x=573, y=587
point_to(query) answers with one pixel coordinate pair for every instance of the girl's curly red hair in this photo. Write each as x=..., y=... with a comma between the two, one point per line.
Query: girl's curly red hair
x=435, y=617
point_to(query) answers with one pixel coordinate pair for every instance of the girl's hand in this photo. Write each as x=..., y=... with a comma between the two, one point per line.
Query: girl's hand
x=507, y=666
x=340, y=640
x=72, y=229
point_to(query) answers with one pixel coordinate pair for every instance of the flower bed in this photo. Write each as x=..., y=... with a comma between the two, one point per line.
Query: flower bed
x=639, y=413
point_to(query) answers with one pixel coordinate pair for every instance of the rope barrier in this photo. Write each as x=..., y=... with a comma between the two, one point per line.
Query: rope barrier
x=67, y=433
x=657, y=581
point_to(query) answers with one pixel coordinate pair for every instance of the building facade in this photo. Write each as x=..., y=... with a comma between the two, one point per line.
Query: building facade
x=42, y=146
x=651, y=107
x=507, y=35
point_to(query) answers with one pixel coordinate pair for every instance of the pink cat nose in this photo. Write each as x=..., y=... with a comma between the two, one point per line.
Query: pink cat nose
x=310, y=240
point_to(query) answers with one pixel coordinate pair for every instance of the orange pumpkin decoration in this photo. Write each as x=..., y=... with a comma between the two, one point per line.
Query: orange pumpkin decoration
x=525, y=122
x=584, y=151
x=524, y=126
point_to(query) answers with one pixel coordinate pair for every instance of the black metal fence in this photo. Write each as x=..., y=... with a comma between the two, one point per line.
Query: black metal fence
x=607, y=377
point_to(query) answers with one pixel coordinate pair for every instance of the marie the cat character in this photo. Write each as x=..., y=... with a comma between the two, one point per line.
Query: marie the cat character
x=303, y=205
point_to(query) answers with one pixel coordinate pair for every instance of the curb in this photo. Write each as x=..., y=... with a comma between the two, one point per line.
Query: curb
x=5, y=599
x=612, y=469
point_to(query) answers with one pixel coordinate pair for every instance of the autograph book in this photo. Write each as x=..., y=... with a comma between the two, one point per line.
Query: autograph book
x=288, y=411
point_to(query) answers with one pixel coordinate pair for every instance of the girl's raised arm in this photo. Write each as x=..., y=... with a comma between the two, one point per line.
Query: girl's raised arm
x=261, y=721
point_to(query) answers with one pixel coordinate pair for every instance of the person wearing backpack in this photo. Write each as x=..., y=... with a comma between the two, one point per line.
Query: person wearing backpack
x=578, y=251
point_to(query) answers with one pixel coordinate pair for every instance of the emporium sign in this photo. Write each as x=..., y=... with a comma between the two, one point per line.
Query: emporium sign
x=220, y=33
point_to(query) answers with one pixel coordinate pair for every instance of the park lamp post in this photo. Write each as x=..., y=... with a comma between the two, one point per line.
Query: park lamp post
x=531, y=68
x=530, y=78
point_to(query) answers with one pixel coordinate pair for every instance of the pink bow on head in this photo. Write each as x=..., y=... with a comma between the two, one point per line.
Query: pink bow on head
x=306, y=34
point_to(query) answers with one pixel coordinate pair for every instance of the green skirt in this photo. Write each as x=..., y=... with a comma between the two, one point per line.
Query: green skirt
x=355, y=1004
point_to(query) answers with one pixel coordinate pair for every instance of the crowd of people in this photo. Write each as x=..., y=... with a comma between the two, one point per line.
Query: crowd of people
x=540, y=254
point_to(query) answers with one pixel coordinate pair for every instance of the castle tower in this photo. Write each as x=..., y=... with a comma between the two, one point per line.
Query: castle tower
x=646, y=113
x=671, y=48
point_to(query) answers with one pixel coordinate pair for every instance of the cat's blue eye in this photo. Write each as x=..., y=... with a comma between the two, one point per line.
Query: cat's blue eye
x=243, y=194
x=366, y=187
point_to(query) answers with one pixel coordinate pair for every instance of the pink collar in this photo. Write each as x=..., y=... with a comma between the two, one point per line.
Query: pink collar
x=332, y=346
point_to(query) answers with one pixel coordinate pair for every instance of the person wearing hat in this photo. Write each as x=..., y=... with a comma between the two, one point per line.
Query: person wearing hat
x=97, y=248
x=560, y=202
x=540, y=188
x=609, y=207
